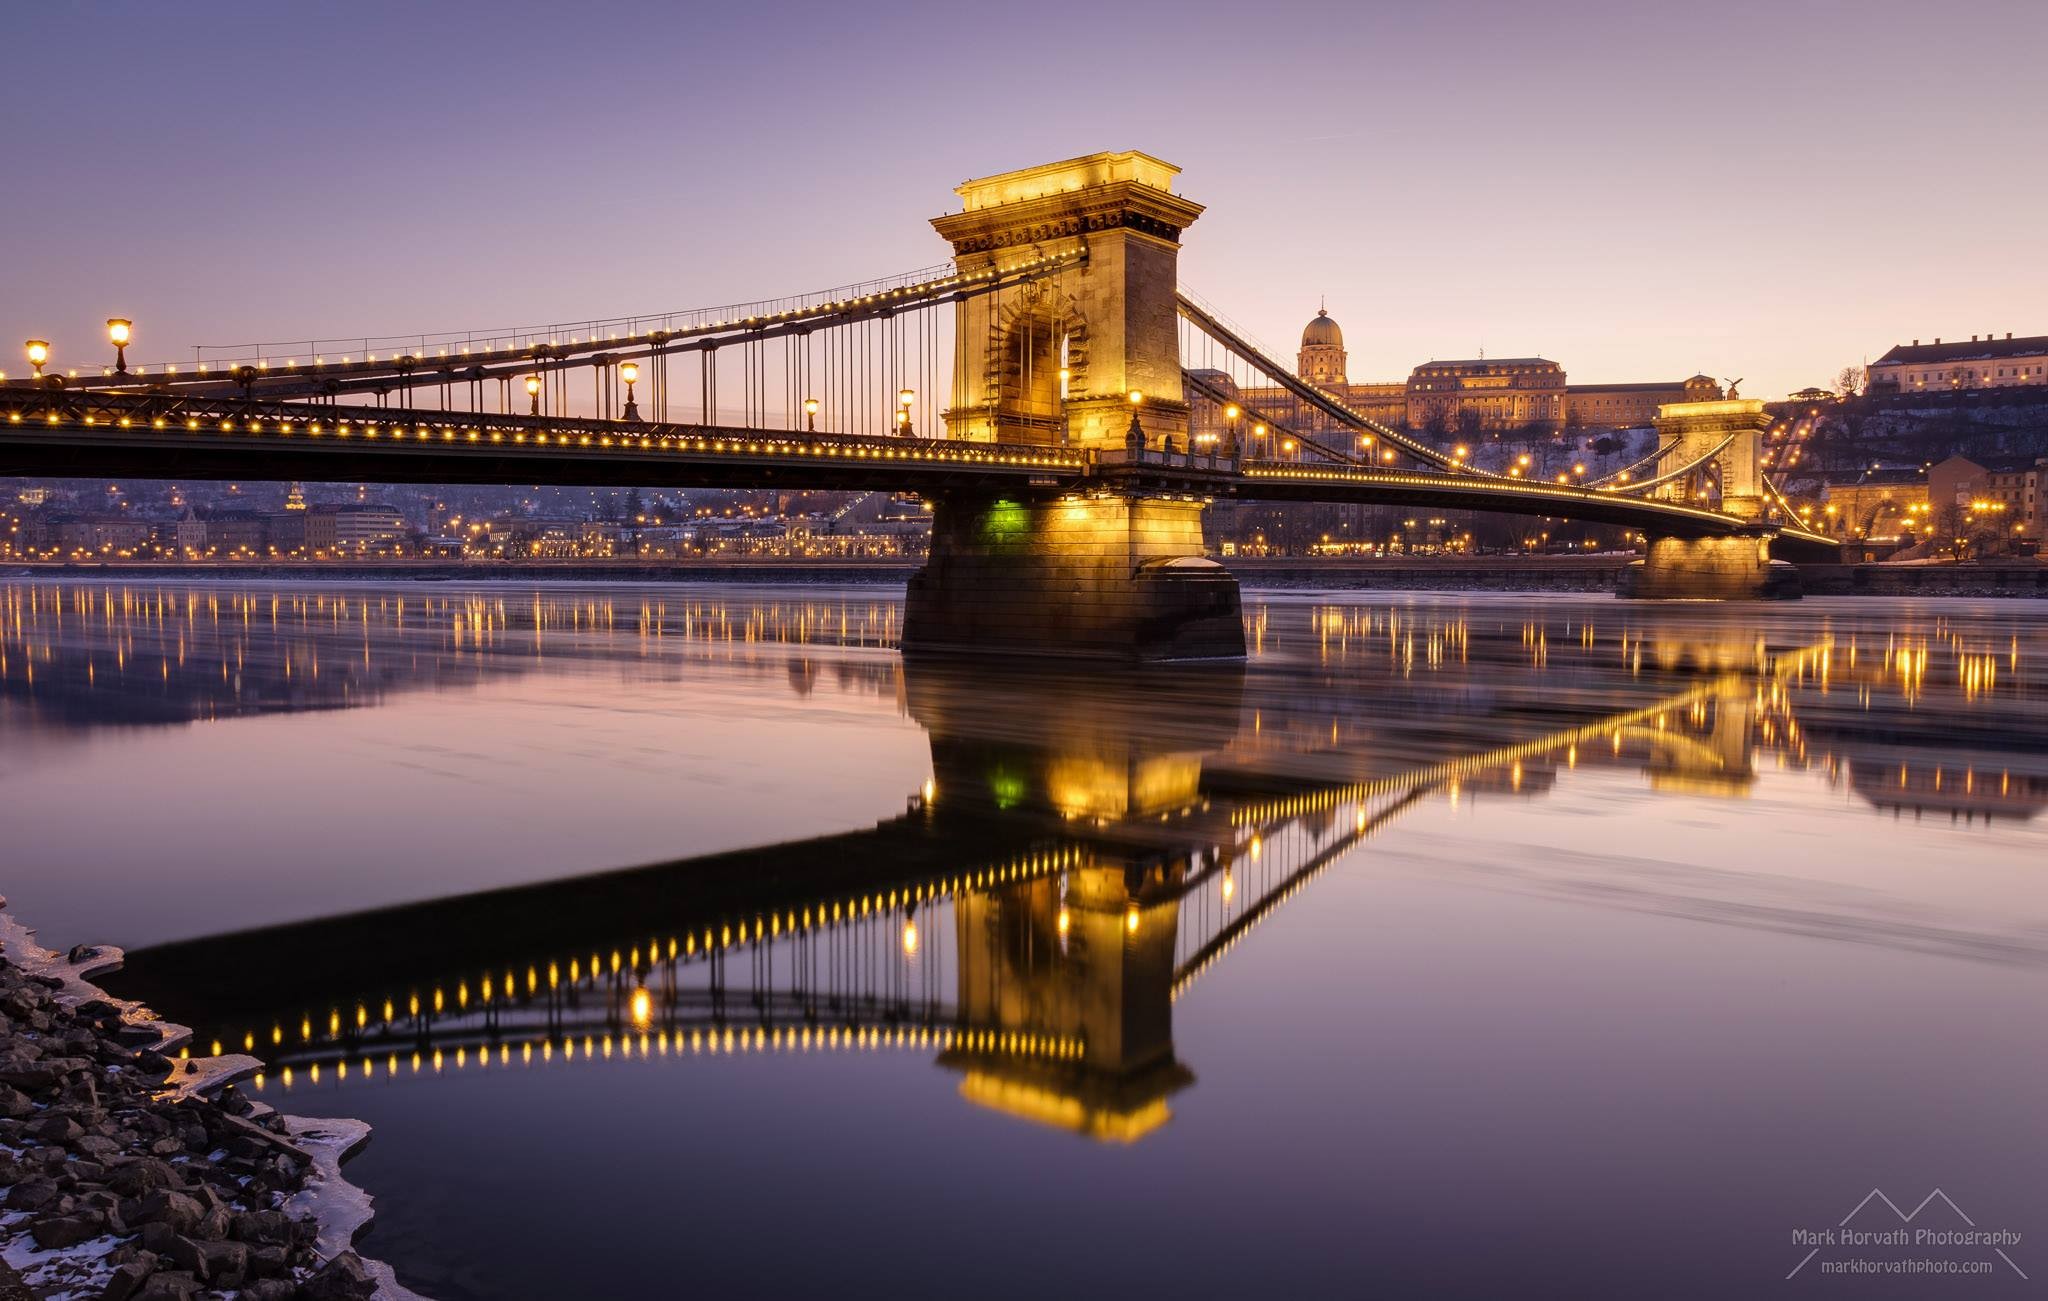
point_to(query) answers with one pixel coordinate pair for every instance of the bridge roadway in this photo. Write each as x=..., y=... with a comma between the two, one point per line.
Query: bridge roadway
x=104, y=434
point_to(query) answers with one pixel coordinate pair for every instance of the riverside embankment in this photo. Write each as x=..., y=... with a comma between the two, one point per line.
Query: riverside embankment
x=134, y=1172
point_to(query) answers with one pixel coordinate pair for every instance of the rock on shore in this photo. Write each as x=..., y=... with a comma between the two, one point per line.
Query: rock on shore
x=129, y=1175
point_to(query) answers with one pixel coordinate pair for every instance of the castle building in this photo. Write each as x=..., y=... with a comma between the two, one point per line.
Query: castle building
x=1448, y=397
x=1952, y=367
x=1475, y=395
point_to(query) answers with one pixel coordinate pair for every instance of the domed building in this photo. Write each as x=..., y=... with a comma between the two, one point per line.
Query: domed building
x=1465, y=396
x=1321, y=361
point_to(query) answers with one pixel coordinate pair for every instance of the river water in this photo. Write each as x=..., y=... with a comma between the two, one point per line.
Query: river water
x=682, y=939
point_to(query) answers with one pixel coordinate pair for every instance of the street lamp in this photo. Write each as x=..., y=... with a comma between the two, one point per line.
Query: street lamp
x=38, y=353
x=118, y=333
x=1231, y=414
x=904, y=397
x=630, y=371
x=533, y=392
x=1134, y=437
x=811, y=415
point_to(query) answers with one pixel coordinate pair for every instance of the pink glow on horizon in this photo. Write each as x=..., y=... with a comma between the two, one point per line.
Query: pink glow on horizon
x=1635, y=191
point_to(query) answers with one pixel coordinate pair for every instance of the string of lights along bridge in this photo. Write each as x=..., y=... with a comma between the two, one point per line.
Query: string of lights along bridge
x=1054, y=383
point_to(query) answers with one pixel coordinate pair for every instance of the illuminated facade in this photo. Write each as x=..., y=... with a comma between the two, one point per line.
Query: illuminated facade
x=1486, y=393
x=1981, y=363
x=1879, y=504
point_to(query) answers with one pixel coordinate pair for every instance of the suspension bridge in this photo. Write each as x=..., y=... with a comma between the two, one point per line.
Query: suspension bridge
x=1086, y=415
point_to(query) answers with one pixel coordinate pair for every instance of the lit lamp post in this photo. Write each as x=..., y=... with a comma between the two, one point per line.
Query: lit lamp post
x=630, y=371
x=1134, y=437
x=1231, y=414
x=38, y=354
x=904, y=397
x=118, y=333
x=811, y=415
x=533, y=392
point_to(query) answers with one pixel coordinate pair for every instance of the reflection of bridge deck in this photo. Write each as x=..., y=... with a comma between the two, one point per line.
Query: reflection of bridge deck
x=1111, y=874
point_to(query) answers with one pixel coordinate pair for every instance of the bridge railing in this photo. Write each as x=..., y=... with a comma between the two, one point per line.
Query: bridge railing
x=1210, y=461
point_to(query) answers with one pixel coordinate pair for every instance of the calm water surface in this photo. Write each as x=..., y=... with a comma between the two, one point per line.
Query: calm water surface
x=686, y=939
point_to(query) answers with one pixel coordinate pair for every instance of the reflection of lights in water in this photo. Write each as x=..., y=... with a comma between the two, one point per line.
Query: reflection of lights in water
x=642, y=1044
x=1131, y=919
x=1258, y=846
x=931, y=790
x=1064, y=922
x=1230, y=882
x=643, y=1006
x=909, y=939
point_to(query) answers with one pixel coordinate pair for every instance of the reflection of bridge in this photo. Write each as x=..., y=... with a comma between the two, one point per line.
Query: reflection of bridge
x=1122, y=840
x=1067, y=466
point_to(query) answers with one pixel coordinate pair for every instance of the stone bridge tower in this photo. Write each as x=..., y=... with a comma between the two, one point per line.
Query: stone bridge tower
x=1728, y=567
x=1055, y=361
x=1688, y=431
x=1117, y=572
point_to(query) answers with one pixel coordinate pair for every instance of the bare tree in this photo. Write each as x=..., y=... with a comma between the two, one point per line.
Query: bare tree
x=1850, y=381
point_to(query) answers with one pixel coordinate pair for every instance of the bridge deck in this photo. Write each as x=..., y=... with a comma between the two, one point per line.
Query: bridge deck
x=89, y=433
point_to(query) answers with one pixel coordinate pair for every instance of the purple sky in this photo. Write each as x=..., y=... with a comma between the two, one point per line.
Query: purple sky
x=1637, y=190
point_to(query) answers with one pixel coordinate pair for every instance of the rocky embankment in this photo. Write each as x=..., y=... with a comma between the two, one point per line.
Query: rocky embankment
x=133, y=1175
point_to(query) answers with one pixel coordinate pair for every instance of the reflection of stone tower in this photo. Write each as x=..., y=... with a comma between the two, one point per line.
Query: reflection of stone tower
x=1065, y=998
x=1053, y=361
x=1720, y=764
x=1322, y=358
x=1100, y=746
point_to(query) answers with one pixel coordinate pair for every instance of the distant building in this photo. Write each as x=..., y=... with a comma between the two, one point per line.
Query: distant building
x=1470, y=395
x=188, y=536
x=1486, y=394
x=1958, y=367
x=1631, y=406
x=354, y=528
x=2001, y=494
x=1881, y=504
x=243, y=533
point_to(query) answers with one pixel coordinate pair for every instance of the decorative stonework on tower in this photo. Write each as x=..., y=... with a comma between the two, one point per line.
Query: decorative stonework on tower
x=1053, y=362
x=1688, y=431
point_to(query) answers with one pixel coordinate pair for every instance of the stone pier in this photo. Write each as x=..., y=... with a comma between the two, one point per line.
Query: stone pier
x=1111, y=577
x=1710, y=569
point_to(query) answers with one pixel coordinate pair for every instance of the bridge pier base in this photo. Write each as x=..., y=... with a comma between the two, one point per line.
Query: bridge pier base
x=1107, y=577
x=1737, y=568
